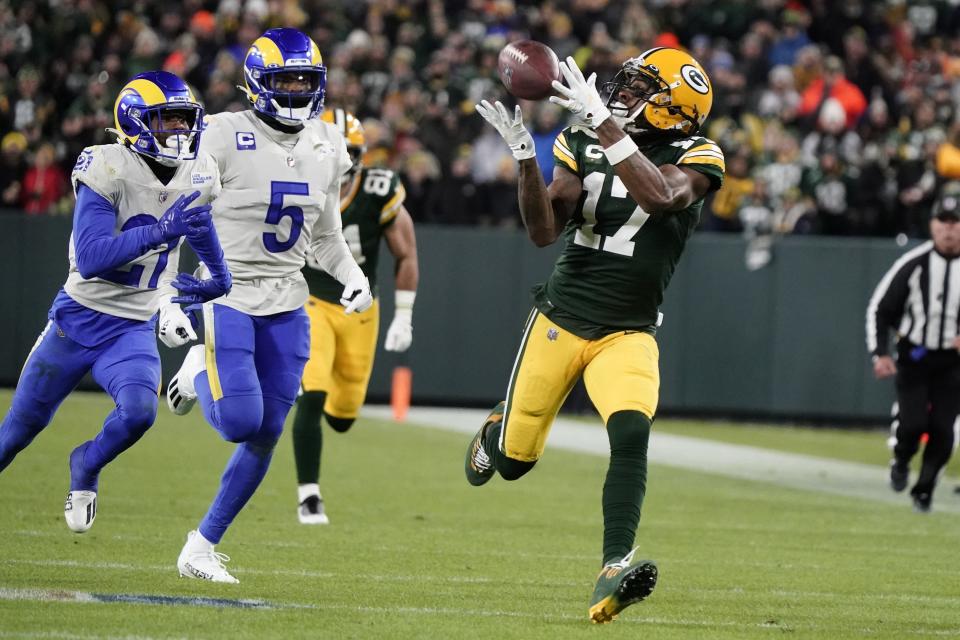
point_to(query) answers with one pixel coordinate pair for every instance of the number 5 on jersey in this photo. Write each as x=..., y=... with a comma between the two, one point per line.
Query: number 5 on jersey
x=277, y=212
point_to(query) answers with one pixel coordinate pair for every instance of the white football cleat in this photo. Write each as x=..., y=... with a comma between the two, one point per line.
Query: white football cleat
x=199, y=560
x=311, y=511
x=181, y=394
x=80, y=510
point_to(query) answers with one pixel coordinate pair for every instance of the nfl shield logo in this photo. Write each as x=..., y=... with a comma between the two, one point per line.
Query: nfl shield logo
x=163, y=196
x=552, y=334
x=291, y=161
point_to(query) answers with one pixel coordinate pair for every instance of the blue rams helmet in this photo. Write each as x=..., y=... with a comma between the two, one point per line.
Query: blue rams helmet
x=141, y=115
x=285, y=54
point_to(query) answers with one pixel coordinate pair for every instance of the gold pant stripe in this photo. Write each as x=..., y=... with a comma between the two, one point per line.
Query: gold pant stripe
x=513, y=374
x=210, y=349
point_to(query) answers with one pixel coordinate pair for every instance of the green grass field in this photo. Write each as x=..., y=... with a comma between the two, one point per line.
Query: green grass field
x=414, y=552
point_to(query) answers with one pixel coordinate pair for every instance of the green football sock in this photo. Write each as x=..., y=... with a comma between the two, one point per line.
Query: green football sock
x=626, y=483
x=308, y=437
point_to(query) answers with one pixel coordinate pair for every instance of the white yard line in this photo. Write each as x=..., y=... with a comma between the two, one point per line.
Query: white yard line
x=794, y=470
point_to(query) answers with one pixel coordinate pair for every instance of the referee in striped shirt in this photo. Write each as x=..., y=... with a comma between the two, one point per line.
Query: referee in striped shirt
x=918, y=301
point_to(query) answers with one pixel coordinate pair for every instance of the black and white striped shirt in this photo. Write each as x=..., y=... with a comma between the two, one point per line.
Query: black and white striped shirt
x=918, y=297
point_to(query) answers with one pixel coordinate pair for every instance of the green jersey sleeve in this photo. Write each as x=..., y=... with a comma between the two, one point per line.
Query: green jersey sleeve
x=704, y=155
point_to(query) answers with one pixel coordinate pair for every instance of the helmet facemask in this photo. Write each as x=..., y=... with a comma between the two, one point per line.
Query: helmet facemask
x=158, y=138
x=291, y=106
x=628, y=94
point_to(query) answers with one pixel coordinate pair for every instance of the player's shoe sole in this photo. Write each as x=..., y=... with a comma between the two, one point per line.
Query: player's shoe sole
x=478, y=466
x=80, y=510
x=619, y=590
x=181, y=395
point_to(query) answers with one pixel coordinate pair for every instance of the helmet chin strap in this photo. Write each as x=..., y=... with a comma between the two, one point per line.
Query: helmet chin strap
x=628, y=122
x=180, y=147
x=298, y=115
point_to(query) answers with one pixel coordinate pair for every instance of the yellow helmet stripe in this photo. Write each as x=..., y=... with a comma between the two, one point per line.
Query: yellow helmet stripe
x=315, y=57
x=269, y=51
x=151, y=93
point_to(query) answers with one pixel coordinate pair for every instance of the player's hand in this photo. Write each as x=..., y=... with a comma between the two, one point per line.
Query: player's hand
x=194, y=291
x=884, y=367
x=400, y=333
x=174, y=328
x=580, y=96
x=356, y=293
x=511, y=129
x=179, y=221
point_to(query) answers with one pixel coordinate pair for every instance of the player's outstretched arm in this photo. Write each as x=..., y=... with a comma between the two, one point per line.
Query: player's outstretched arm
x=402, y=242
x=98, y=250
x=543, y=220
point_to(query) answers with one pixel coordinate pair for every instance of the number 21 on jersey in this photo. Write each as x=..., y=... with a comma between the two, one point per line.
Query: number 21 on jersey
x=620, y=242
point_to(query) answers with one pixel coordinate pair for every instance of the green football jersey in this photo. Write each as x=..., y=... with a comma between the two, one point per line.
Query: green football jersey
x=372, y=205
x=617, y=258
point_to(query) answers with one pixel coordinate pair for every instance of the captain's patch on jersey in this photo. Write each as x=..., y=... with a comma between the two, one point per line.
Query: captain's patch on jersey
x=246, y=141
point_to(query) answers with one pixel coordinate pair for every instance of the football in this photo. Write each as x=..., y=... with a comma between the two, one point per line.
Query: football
x=527, y=68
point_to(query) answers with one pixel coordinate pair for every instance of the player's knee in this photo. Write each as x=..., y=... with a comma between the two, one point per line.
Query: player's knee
x=340, y=425
x=35, y=417
x=629, y=432
x=137, y=408
x=240, y=417
x=274, y=415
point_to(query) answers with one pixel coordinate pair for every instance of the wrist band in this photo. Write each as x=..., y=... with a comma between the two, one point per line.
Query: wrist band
x=404, y=299
x=620, y=150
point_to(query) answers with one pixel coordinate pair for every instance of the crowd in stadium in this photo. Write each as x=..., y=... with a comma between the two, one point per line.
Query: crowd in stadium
x=835, y=117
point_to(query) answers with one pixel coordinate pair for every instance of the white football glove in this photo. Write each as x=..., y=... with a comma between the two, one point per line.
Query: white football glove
x=581, y=97
x=512, y=130
x=174, y=327
x=356, y=294
x=400, y=334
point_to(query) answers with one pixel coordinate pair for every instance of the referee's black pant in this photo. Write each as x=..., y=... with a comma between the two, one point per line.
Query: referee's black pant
x=928, y=392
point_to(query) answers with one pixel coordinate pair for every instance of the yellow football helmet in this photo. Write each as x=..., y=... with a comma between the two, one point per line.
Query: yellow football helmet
x=661, y=89
x=352, y=131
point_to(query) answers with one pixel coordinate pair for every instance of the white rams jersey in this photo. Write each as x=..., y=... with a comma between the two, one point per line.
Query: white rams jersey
x=119, y=175
x=281, y=192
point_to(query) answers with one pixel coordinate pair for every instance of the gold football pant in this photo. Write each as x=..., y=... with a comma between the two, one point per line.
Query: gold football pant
x=620, y=371
x=341, y=355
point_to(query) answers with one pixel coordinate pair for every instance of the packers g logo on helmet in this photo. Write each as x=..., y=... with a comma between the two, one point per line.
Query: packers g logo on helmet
x=352, y=131
x=665, y=89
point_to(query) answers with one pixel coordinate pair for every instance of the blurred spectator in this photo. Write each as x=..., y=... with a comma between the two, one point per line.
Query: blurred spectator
x=793, y=38
x=830, y=185
x=547, y=125
x=737, y=184
x=44, y=183
x=833, y=84
x=12, y=168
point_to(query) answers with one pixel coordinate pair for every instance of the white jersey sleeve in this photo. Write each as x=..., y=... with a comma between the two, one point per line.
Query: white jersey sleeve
x=328, y=246
x=98, y=168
